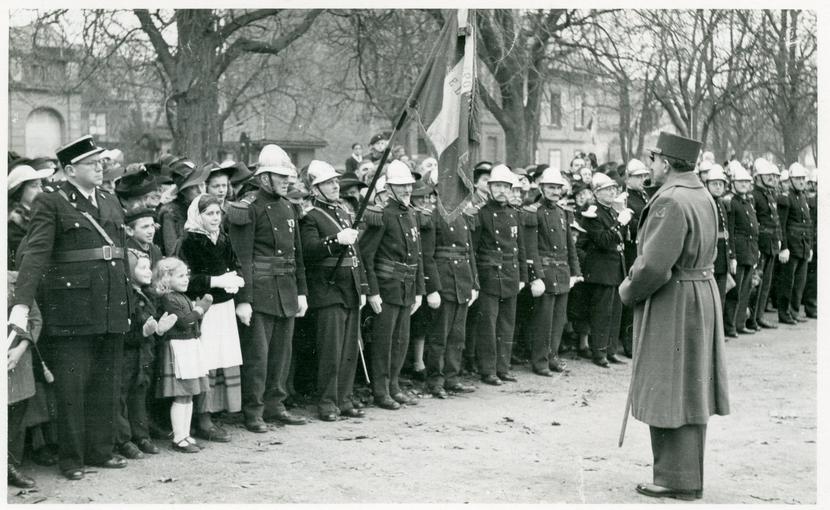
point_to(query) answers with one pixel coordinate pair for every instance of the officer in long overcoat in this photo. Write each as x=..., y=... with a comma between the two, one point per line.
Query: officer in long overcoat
x=679, y=373
x=265, y=234
x=75, y=263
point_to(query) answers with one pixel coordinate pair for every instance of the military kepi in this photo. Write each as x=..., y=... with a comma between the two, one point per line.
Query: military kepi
x=79, y=149
x=677, y=147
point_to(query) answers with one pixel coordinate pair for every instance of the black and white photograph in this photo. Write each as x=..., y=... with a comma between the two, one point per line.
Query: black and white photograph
x=409, y=254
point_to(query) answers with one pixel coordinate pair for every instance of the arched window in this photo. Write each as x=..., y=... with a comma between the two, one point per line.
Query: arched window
x=44, y=133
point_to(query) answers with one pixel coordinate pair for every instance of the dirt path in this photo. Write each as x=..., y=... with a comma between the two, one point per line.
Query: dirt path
x=541, y=440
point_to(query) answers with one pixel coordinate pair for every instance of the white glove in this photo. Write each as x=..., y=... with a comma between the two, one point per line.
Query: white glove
x=537, y=287
x=521, y=286
x=227, y=280
x=416, y=305
x=810, y=257
x=434, y=300
x=625, y=216
x=231, y=290
x=573, y=281
x=302, y=305
x=733, y=266
x=347, y=236
x=362, y=300
x=244, y=312
x=375, y=302
x=473, y=297
x=784, y=256
x=19, y=317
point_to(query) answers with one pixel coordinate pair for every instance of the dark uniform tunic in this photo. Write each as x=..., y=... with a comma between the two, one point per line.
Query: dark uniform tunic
x=741, y=213
x=603, y=270
x=391, y=250
x=726, y=251
x=769, y=244
x=796, y=236
x=557, y=263
x=455, y=278
x=636, y=202
x=501, y=264
x=810, y=299
x=264, y=231
x=335, y=306
x=84, y=298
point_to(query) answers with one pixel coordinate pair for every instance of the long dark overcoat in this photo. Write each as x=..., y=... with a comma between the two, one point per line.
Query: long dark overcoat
x=679, y=369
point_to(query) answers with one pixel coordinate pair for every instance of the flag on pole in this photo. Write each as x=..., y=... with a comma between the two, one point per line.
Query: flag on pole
x=443, y=103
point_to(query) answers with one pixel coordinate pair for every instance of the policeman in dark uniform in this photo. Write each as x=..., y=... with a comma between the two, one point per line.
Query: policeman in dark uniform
x=391, y=251
x=558, y=268
x=636, y=175
x=502, y=269
x=810, y=299
x=75, y=256
x=740, y=212
x=457, y=284
x=265, y=234
x=765, y=195
x=604, y=269
x=796, y=246
x=725, y=261
x=335, y=304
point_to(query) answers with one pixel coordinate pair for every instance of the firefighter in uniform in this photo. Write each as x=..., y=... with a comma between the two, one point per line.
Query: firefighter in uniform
x=725, y=261
x=810, y=299
x=604, y=269
x=765, y=194
x=391, y=248
x=75, y=256
x=502, y=270
x=335, y=304
x=264, y=231
x=559, y=270
x=457, y=285
x=796, y=246
x=740, y=212
x=636, y=175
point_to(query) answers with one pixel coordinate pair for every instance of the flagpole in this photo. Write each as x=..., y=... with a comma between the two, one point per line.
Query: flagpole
x=365, y=201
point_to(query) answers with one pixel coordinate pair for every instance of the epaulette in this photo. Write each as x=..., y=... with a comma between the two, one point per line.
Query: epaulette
x=237, y=212
x=373, y=216
x=532, y=208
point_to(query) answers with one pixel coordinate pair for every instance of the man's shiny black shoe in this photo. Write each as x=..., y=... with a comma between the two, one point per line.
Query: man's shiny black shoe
x=766, y=325
x=612, y=358
x=545, y=372
x=114, y=462
x=287, y=418
x=655, y=491
x=752, y=326
x=600, y=362
x=492, y=380
x=403, y=398
x=557, y=365
x=257, y=426
x=73, y=474
x=744, y=331
x=147, y=446
x=459, y=388
x=786, y=319
x=332, y=416
x=507, y=376
x=130, y=450
x=731, y=334
x=387, y=403
x=18, y=479
x=352, y=413
x=438, y=392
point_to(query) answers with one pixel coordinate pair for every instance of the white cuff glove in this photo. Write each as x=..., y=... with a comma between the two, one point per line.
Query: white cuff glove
x=416, y=305
x=473, y=297
x=347, y=236
x=625, y=216
x=244, y=312
x=19, y=317
x=434, y=300
x=573, y=281
x=784, y=256
x=302, y=305
x=537, y=287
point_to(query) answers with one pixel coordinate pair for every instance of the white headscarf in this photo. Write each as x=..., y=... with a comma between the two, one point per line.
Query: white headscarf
x=196, y=224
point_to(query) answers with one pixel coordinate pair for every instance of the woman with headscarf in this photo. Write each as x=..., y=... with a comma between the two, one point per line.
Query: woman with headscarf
x=213, y=264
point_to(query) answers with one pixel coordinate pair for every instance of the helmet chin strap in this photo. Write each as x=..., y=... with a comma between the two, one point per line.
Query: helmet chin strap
x=322, y=196
x=394, y=194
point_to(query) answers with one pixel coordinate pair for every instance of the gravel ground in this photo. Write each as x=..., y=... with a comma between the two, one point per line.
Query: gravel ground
x=540, y=440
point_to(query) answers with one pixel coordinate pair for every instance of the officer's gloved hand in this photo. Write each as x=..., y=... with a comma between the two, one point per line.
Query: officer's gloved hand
x=521, y=286
x=302, y=305
x=165, y=322
x=573, y=281
x=244, y=312
x=347, y=236
x=733, y=266
x=416, y=305
x=204, y=303
x=473, y=297
x=434, y=300
x=784, y=256
x=375, y=302
x=810, y=257
x=150, y=326
x=362, y=300
x=625, y=216
x=227, y=280
x=537, y=287
x=19, y=317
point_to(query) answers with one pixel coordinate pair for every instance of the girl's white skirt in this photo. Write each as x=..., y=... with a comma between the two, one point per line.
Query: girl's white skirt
x=220, y=338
